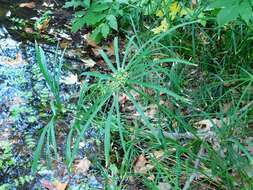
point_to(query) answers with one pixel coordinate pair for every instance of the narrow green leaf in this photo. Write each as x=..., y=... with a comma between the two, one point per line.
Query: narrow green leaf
x=53, y=139
x=41, y=60
x=107, y=137
x=107, y=60
x=129, y=44
x=160, y=89
x=174, y=60
x=221, y=3
x=227, y=14
x=38, y=150
x=116, y=102
x=116, y=51
x=99, y=7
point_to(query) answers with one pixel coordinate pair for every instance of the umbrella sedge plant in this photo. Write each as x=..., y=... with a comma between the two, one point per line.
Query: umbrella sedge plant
x=137, y=71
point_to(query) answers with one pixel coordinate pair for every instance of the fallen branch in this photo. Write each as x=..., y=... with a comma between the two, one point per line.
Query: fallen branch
x=186, y=135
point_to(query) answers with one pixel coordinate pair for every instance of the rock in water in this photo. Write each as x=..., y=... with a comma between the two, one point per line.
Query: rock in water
x=3, y=32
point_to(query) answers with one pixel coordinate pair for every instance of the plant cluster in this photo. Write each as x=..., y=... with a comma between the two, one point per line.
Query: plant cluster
x=174, y=105
x=102, y=16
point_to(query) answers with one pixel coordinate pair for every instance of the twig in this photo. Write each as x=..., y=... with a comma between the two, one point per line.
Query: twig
x=196, y=165
x=244, y=108
x=187, y=135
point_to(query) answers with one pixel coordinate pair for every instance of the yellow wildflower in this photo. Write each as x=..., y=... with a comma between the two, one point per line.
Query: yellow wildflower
x=160, y=13
x=156, y=30
x=174, y=10
x=184, y=12
x=162, y=28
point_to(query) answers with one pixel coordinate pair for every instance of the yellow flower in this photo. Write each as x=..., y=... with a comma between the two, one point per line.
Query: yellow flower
x=162, y=28
x=156, y=30
x=174, y=9
x=160, y=13
x=185, y=12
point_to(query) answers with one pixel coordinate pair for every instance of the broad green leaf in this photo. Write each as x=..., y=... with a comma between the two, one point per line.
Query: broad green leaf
x=227, y=14
x=73, y=3
x=222, y=3
x=246, y=11
x=105, y=30
x=80, y=13
x=77, y=24
x=112, y=21
x=92, y=18
x=99, y=7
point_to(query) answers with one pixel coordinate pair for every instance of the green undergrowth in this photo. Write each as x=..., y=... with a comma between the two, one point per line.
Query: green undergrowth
x=175, y=108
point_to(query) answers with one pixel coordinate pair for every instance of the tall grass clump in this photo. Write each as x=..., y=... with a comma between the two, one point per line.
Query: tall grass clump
x=48, y=136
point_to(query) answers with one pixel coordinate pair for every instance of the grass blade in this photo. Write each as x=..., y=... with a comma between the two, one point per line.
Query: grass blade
x=38, y=150
x=116, y=100
x=81, y=134
x=41, y=60
x=116, y=51
x=160, y=89
x=107, y=137
x=108, y=61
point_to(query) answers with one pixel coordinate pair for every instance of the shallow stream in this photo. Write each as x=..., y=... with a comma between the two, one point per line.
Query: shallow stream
x=24, y=106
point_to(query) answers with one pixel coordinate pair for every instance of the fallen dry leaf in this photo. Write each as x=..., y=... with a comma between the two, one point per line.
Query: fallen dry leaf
x=110, y=49
x=60, y=186
x=82, y=166
x=88, y=62
x=142, y=165
x=96, y=51
x=30, y=5
x=64, y=44
x=13, y=62
x=158, y=154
